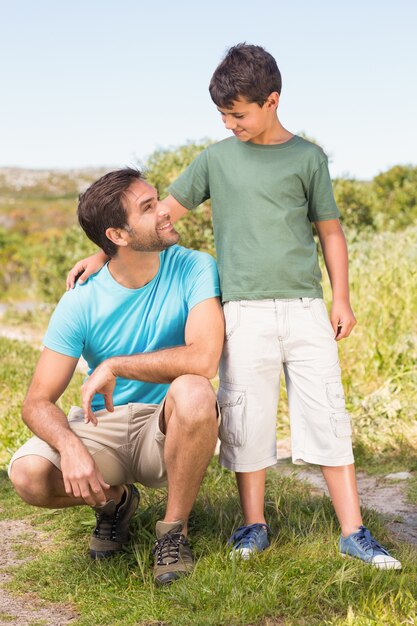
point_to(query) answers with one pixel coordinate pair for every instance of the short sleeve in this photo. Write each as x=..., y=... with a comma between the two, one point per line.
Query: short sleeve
x=66, y=329
x=192, y=187
x=321, y=202
x=202, y=281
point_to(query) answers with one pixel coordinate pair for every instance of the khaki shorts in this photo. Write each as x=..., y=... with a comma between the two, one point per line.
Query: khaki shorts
x=127, y=445
x=262, y=338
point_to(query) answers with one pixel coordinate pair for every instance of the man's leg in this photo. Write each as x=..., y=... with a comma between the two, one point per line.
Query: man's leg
x=190, y=424
x=37, y=478
x=39, y=483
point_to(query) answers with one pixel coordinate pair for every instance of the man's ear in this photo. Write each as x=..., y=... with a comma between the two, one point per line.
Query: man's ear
x=118, y=236
x=272, y=100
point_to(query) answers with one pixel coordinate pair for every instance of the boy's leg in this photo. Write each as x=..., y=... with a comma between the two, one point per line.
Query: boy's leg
x=320, y=425
x=341, y=483
x=251, y=487
x=248, y=396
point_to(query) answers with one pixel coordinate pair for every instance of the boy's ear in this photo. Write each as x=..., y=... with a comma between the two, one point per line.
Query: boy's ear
x=118, y=236
x=272, y=100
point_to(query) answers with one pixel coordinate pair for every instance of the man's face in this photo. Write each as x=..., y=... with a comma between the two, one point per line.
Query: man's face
x=247, y=120
x=148, y=220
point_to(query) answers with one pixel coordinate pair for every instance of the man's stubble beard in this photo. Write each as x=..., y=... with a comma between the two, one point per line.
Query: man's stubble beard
x=153, y=244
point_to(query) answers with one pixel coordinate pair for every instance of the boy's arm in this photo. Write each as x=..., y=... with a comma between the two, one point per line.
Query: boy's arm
x=81, y=476
x=204, y=335
x=176, y=210
x=90, y=265
x=333, y=244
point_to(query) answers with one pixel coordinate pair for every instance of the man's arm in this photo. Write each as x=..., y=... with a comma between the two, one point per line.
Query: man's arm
x=80, y=473
x=204, y=336
x=333, y=244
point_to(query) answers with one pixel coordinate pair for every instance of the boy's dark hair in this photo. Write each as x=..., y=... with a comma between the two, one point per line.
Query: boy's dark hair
x=101, y=206
x=246, y=71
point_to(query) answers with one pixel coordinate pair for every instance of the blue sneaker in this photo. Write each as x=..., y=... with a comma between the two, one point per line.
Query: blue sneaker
x=248, y=540
x=362, y=545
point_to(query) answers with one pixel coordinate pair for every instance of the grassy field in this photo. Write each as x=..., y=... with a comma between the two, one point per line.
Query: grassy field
x=300, y=580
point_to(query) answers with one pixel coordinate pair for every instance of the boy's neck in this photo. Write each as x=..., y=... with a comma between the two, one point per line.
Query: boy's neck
x=275, y=133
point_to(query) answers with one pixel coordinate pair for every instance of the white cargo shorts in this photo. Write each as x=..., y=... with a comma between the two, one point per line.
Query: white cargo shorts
x=262, y=336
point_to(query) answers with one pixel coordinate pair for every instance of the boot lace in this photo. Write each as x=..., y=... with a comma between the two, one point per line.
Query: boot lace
x=167, y=548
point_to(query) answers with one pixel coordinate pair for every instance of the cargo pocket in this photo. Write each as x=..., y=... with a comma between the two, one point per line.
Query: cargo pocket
x=334, y=392
x=232, y=402
x=341, y=424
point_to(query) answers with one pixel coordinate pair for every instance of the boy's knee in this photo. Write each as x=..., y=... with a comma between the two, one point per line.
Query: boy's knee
x=30, y=476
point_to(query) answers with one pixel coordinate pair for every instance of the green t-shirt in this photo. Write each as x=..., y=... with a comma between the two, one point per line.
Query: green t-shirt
x=264, y=198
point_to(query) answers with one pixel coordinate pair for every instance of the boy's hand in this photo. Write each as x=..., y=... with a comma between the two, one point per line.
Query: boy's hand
x=342, y=319
x=85, y=268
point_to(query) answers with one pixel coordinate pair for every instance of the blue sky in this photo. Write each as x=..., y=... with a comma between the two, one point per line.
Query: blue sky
x=105, y=82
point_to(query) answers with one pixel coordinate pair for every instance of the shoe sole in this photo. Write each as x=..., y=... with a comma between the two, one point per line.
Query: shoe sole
x=384, y=565
x=97, y=555
x=244, y=554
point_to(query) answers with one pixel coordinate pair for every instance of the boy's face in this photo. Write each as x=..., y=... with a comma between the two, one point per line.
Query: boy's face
x=247, y=120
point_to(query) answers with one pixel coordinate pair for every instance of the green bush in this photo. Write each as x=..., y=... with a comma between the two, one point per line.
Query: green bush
x=58, y=257
x=395, y=197
x=355, y=201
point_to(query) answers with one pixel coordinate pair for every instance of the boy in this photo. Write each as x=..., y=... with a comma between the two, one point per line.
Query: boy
x=267, y=186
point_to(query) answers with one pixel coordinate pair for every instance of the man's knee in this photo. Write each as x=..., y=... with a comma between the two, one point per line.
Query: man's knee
x=31, y=477
x=193, y=399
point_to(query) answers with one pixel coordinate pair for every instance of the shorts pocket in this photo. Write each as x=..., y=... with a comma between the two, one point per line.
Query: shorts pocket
x=320, y=315
x=76, y=414
x=231, y=310
x=341, y=424
x=232, y=402
x=334, y=392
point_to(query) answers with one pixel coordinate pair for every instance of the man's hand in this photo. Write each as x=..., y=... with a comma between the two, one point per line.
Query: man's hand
x=103, y=381
x=342, y=319
x=82, y=478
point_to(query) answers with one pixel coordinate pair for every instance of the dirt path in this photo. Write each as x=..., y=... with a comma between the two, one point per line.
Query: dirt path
x=27, y=609
x=384, y=494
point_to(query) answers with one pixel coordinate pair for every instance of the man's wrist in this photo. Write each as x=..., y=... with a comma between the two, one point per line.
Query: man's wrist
x=69, y=444
x=111, y=365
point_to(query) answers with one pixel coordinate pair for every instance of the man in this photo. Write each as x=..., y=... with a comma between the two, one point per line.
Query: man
x=151, y=328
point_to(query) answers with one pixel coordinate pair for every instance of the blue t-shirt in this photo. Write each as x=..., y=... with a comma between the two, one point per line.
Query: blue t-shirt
x=101, y=318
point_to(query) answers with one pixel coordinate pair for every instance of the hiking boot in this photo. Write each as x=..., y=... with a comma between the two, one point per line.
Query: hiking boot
x=172, y=552
x=112, y=524
x=362, y=545
x=249, y=540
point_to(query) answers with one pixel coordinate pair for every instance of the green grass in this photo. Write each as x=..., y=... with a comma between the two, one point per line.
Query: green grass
x=300, y=578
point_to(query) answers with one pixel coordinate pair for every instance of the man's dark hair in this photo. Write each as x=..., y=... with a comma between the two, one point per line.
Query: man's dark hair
x=101, y=206
x=248, y=72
